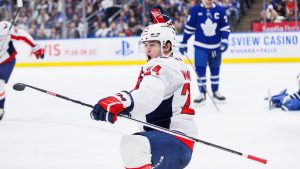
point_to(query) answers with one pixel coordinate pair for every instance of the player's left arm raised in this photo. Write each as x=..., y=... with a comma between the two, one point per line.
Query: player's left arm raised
x=21, y=35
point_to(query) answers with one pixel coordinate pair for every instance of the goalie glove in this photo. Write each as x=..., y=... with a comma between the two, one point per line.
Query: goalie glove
x=277, y=100
x=107, y=109
x=38, y=51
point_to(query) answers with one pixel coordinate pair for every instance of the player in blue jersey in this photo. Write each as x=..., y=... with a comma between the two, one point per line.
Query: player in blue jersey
x=8, y=35
x=209, y=23
x=285, y=101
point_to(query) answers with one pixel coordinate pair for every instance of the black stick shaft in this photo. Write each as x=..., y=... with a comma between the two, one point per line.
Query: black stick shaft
x=58, y=95
x=156, y=127
x=12, y=23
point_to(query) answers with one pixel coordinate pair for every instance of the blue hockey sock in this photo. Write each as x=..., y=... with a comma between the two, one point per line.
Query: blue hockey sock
x=214, y=78
x=202, y=84
x=201, y=72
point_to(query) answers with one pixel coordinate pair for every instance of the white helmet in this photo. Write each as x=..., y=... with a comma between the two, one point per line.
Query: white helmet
x=162, y=32
x=4, y=28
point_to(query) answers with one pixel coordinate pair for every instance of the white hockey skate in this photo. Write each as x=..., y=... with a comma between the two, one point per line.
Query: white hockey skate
x=200, y=99
x=218, y=97
x=1, y=113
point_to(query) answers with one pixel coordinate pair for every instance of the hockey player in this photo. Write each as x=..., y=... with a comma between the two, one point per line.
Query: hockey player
x=161, y=97
x=285, y=101
x=209, y=23
x=8, y=53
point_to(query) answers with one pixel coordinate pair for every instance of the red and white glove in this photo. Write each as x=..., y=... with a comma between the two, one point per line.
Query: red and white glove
x=107, y=109
x=38, y=51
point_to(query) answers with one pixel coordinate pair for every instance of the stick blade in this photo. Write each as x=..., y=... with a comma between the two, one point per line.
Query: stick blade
x=19, y=86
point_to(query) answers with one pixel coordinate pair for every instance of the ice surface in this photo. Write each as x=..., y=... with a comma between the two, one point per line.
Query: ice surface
x=44, y=132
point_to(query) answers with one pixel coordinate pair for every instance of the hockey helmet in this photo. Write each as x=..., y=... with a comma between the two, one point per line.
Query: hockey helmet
x=162, y=32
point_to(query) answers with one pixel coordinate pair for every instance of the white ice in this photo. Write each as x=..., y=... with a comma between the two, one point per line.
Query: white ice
x=40, y=131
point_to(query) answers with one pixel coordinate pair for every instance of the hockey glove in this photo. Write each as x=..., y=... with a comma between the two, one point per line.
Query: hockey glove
x=183, y=48
x=157, y=15
x=38, y=51
x=108, y=108
x=223, y=46
x=277, y=100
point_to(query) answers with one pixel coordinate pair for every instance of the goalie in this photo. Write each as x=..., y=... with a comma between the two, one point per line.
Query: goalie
x=8, y=53
x=285, y=101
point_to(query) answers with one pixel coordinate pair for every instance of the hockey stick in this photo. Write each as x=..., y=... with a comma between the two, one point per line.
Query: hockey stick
x=268, y=98
x=204, y=87
x=21, y=87
x=19, y=6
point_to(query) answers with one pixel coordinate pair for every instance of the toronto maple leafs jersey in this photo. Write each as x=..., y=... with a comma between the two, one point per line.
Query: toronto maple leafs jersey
x=162, y=96
x=295, y=95
x=7, y=48
x=291, y=102
x=210, y=26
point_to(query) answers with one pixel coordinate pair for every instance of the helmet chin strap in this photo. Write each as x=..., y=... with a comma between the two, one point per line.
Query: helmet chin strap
x=168, y=55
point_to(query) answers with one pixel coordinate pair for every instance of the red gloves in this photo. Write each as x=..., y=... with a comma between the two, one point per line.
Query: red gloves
x=108, y=108
x=38, y=51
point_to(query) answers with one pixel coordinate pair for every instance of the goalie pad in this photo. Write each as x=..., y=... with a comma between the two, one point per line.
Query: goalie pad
x=291, y=105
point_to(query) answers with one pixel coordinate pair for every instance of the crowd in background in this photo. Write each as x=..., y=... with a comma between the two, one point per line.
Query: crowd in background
x=280, y=10
x=45, y=19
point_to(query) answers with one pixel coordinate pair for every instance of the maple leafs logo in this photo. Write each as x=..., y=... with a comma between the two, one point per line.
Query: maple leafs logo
x=209, y=28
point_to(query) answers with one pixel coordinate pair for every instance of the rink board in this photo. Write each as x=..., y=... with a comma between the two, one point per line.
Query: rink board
x=243, y=48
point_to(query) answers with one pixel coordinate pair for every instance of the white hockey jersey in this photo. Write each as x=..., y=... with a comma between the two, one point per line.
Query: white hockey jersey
x=162, y=96
x=7, y=49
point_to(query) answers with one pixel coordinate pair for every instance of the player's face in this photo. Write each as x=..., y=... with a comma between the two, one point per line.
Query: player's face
x=152, y=49
x=208, y=2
